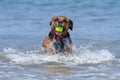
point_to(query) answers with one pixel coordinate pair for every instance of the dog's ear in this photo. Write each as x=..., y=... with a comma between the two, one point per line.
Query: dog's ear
x=70, y=24
x=52, y=20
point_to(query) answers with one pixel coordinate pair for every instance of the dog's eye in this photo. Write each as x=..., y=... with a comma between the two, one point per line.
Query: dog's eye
x=64, y=20
x=56, y=20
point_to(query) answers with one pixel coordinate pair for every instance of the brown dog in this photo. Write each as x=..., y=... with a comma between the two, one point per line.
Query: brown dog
x=58, y=40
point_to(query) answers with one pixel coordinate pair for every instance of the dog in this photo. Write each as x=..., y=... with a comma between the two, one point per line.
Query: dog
x=58, y=39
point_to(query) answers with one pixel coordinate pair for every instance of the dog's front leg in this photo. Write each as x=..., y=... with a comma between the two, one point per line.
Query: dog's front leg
x=48, y=45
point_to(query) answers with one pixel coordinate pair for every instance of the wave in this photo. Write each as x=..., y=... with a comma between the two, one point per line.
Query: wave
x=80, y=55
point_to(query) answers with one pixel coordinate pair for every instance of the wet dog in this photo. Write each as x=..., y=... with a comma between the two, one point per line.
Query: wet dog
x=58, y=39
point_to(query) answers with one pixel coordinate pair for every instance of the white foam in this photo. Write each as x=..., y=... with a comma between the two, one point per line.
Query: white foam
x=80, y=56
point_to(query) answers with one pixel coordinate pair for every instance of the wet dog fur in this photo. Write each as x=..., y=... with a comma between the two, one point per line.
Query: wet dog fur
x=48, y=43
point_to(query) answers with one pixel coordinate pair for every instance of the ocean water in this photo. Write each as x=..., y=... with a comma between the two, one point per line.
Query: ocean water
x=96, y=40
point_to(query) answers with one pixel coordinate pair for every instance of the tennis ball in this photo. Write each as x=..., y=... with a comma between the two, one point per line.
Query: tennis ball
x=59, y=28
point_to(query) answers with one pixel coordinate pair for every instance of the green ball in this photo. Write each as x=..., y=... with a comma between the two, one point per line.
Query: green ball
x=59, y=28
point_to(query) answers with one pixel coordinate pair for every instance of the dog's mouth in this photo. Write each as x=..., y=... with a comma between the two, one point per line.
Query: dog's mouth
x=59, y=30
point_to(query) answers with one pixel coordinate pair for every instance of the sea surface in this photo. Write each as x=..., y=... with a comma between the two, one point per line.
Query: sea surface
x=95, y=35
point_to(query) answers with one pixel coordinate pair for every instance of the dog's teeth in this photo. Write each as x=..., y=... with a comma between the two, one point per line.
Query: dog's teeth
x=63, y=24
x=57, y=23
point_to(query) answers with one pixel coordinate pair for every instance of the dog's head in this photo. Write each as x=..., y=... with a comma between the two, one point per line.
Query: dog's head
x=62, y=21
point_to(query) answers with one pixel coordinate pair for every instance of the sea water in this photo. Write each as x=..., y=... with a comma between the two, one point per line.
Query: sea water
x=95, y=36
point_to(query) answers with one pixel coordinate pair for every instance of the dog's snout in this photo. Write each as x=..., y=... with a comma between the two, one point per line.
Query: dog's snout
x=60, y=23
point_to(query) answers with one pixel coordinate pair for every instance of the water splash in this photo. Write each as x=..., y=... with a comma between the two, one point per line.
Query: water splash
x=81, y=55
